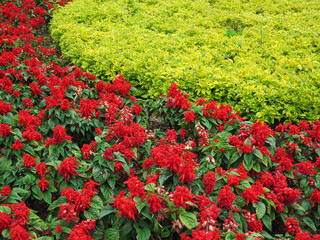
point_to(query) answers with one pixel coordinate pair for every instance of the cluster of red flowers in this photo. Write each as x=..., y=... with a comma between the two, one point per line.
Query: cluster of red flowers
x=26, y=73
x=68, y=167
x=16, y=220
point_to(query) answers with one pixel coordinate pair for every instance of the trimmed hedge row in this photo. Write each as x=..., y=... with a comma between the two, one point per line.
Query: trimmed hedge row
x=261, y=58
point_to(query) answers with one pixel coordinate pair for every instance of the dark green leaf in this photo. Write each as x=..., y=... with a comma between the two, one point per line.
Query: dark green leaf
x=257, y=153
x=260, y=210
x=5, y=209
x=106, y=211
x=188, y=219
x=309, y=223
x=47, y=197
x=143, y=233
x=150, y=187
x=37, y=192
x=57, y=203
x=112, y=234
x=248, y=163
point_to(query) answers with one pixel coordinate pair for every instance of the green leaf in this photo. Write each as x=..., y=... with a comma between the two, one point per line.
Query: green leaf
x=96, y=202
x=112, y=234
x=256, y=166
x=150, y=187
x=37, y=192
x=143, y=233
x=257, y=153
x=233, y=159
x=47, y=197
x=248, y=163
x=309, y=223
x=5, y=209
x=61, y=200
x=92, y=213
x=28, y=149
x=230, y=236
x=106, y=211
x=260, y=210
x=165, y=175
x=6, y=233
x=188, y=219
x=266, y=220
x=141, y=205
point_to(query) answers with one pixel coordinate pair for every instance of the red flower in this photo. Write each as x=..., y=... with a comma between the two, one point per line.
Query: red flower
x=59, y=135
x=82, y=230
x=186, y=172
x=5, y=107
x=121, y=85
x=67, y=167
x=305, y=167
x=304, y=125
x=17, y=145
x=315, y=196
x=85, y=150
x=148, y=163
x=43, y=183
x=5, y=221
x=209, y=180
x=267, y=179
x=174, y=162
x=6, y=191
x=246, y=149
x=286, y=163
x=20, y=212
x=210, y=214
x=16, y=94
x=240, y=236
x=292, y=226
x=41, y=169
x=253, y=224
x=5, y=130
x=31, y=134
x=108, y=154
x=152, y=178
x=65, y=105
x=189, y=116
x=293, y=129
x=127, y=207
x=87, y=107
x=28, y=160
x=19, y=233
x=27, y=102
x=58, y=228
x=182, y=195
x=136, y=109
x=135, y=186
x=98, y=131
x=183, y=133
x=67, y=213
x=155, y=203
x=226, y=197
x=250, y=195
x=233, y=180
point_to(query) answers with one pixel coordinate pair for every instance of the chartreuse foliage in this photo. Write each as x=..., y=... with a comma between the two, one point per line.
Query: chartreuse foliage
x=80, y=162
x=260, y=57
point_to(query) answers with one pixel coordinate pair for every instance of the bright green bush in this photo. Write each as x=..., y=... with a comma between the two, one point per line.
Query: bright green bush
x=260, y=57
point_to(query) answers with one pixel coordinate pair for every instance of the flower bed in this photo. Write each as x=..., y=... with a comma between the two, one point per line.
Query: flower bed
x=98, y=163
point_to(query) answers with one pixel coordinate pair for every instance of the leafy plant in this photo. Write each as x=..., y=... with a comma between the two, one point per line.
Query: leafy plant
x=81, y=162
x=245, y=55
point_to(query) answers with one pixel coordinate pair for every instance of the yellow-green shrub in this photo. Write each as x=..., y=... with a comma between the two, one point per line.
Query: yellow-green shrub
x=262, y=57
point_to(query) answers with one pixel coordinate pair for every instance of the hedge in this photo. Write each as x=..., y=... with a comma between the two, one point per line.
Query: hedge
x=259, y=57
